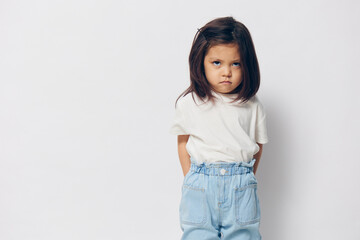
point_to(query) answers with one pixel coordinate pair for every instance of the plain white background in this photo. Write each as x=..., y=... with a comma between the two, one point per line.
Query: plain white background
x=87, y=94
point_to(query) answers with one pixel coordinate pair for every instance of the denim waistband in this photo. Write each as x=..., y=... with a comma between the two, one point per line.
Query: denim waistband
x=222, y=168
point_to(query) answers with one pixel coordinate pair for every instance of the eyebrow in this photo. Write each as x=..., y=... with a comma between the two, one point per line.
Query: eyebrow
x=214, y=58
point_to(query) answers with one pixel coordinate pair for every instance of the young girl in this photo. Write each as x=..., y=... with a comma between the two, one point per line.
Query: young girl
x=221, y=127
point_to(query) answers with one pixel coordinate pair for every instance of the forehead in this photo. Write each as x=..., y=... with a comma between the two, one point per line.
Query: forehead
x=223, y=51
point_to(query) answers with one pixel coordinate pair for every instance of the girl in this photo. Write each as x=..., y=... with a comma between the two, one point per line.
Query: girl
x=221, y=127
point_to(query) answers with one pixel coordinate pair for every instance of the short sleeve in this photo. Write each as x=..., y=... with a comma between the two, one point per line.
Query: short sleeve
x=179, y=124
x=261, y=129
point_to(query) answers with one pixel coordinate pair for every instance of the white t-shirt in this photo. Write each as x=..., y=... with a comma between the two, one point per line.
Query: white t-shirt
x=220, y=132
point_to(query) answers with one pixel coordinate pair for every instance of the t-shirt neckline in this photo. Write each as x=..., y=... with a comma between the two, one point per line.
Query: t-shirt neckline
x=228, y=97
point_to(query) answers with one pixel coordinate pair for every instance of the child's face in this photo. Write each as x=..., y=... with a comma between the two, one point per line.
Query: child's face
x=222, y=67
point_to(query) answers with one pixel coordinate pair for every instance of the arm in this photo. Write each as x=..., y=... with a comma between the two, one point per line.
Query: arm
x=183, y=154
x=257, y=156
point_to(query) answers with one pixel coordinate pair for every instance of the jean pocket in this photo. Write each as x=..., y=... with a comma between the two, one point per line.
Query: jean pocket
x=187, y=175
x=247, y=207
x=192, y=205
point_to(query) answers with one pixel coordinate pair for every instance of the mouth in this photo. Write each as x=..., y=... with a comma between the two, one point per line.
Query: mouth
x=225, y=82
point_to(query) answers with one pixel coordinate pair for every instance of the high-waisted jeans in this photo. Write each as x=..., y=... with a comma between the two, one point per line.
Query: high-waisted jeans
x=220, y=201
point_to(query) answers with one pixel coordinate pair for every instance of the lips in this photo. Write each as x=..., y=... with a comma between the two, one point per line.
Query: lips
x=225, y=82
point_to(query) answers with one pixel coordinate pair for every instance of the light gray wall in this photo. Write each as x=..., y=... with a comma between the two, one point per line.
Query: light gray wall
x=87, y=92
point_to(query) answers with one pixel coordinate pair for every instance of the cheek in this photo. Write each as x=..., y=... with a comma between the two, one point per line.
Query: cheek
x=237, y=74
x=210, y=73
x=206, y=70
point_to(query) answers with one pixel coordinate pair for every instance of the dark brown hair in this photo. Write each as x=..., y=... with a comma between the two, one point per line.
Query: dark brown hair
x=225, y=30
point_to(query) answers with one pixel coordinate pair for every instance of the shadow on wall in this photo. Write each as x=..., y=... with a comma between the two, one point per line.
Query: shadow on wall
x=271, y=175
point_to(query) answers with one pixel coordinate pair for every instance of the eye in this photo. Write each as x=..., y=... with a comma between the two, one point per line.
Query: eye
x=216, y=63
x=236, y=64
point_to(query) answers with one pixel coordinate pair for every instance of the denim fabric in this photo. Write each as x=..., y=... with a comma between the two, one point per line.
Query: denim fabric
x=220, y=201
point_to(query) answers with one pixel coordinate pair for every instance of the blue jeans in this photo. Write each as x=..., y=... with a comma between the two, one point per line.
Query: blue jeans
x=220, y=201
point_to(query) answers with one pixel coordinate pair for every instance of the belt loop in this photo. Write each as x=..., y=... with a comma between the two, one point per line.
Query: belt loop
x=199, y=168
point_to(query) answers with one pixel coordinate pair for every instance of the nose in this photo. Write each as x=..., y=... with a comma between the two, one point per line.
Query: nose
x=227, y=71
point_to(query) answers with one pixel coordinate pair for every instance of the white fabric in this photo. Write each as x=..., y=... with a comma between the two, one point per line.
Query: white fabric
x=220, y=132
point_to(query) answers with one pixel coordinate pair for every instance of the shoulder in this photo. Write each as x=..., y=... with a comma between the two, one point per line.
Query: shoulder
x=187, y=100
x=258, y=106
x=257, y=101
